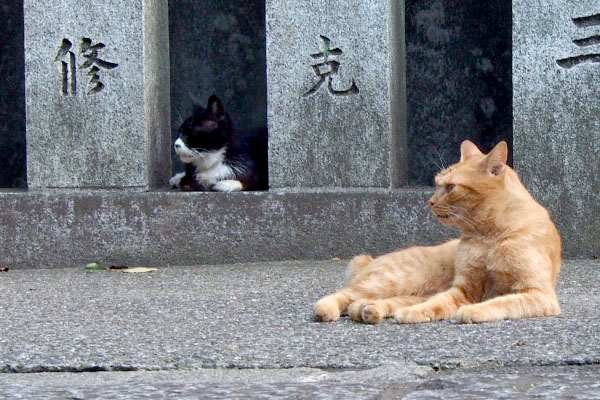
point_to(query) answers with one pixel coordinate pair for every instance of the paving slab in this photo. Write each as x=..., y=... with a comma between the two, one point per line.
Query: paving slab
x=218, y=330
x=394, y=381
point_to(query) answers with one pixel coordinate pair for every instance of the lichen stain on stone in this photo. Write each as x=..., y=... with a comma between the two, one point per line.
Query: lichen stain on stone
x=432, y=21
x=224, y=22
x=488, y=107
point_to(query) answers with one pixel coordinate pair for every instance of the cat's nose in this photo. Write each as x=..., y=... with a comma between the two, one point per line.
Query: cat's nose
x=431, y=203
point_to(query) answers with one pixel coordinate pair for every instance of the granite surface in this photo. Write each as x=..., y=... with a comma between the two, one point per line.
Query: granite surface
x=97, y=77
x=336, y=95
x=57, y=228
x=556, y=120
x=458, y=75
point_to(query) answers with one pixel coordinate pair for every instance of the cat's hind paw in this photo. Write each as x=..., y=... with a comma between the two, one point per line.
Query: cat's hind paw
x=365, y=311
x=371, y=314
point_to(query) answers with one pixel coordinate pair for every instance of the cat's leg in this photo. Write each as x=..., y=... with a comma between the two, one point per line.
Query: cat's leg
x=186, y=182
x=330, y=308
x=441, y=306
x=529, y=304
x=402, y=273
x=227, y=185
x=373, y=311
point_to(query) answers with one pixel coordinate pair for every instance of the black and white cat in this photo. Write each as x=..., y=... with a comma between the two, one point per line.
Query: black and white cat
x=216, y=157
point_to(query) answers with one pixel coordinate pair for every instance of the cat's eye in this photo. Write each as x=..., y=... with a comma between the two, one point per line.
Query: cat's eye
x=449, y=187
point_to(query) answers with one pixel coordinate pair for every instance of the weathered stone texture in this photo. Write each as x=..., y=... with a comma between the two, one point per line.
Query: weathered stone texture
x=80, y=134
x=70, y=228
x=317, y=135
x=556, y=120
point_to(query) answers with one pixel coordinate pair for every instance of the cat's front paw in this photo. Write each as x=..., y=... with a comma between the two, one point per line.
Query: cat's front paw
x=326, y=311
x=413, y=315
x=176, y=180
x=470, y=314
x=228, y=185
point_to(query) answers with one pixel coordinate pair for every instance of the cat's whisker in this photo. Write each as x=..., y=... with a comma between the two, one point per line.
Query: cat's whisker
x=443, y=164
x=454, y=207
x=454, y=211
x=198, y=153
x=465, y=214
x=470, y=223
x=179, y=121
x=443, y=208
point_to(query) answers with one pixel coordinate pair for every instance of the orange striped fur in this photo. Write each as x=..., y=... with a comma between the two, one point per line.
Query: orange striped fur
x=504, y=266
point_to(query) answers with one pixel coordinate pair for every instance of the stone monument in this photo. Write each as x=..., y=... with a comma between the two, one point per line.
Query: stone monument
x=556, y=70
x=97, y=94
x=336, y=93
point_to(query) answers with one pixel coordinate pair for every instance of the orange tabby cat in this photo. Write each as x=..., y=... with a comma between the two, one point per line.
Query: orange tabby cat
x=504, y=266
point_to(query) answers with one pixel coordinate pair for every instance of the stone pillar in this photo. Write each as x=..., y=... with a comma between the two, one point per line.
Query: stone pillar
x=97, y=94
x=336, y=93
x=556, y=70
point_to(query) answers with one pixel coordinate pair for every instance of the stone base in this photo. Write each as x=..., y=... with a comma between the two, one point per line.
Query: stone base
x=53, y=228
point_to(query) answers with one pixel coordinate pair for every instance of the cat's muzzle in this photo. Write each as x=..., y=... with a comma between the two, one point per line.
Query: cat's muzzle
x=184, y=153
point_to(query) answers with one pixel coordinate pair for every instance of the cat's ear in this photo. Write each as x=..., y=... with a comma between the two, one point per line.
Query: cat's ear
x=495, y=162
x=468, y=150
x=215, y=108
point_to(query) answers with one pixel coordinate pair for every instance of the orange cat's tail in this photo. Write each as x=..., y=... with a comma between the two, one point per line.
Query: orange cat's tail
x=355, y=265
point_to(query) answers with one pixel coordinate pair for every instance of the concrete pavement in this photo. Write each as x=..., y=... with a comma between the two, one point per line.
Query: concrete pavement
x=247, y=331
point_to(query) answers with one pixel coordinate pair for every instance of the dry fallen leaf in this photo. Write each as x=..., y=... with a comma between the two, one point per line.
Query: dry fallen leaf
x=4, y=269
x=139, y=270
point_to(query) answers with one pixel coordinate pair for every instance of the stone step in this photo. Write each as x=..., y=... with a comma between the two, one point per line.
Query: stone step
x=58, y=228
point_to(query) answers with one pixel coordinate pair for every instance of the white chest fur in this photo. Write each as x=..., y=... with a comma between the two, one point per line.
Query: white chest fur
x=211, y=170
